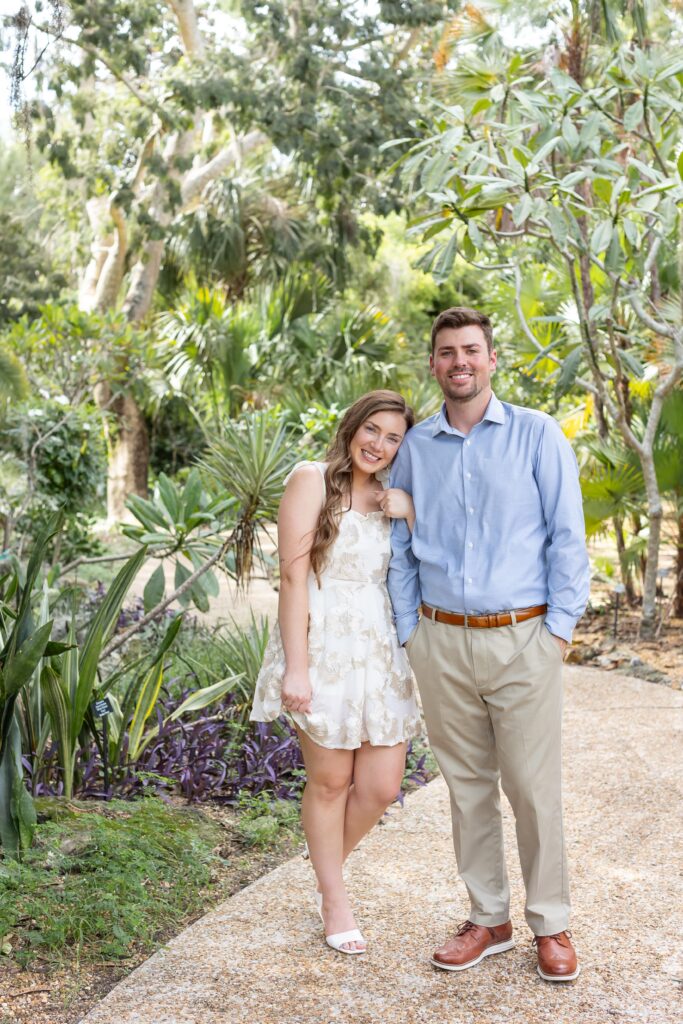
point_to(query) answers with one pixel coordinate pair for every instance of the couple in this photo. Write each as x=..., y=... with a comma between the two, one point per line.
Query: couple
x=486, y=567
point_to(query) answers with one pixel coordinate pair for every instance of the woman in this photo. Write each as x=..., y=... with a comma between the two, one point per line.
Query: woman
x=335, y=663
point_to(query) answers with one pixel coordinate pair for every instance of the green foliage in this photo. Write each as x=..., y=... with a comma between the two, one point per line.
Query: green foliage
x=234, y=651
x=249, y=462
x=262, y=819
x=182, y=522
x=23, y=646
x=60, y=455
x=85, y=886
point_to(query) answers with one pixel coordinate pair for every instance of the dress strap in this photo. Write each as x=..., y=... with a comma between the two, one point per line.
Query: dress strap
x=321, y=466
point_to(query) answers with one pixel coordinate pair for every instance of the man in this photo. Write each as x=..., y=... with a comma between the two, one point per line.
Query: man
x=497, y=563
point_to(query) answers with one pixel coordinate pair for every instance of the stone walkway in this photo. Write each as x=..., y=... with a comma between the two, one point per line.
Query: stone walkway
x=260, y=958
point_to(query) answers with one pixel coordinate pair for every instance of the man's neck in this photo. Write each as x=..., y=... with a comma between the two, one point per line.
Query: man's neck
x=463, y=416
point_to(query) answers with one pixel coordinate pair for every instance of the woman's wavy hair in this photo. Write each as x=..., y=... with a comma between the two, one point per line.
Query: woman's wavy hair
x=339, y=472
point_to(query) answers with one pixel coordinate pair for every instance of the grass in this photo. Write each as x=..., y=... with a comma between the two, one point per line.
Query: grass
x=105, y=882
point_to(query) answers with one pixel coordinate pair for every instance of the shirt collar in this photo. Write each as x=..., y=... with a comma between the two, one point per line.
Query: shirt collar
x=495, y=413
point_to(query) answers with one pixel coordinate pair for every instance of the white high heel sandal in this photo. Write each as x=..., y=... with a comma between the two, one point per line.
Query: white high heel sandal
x=339, y=939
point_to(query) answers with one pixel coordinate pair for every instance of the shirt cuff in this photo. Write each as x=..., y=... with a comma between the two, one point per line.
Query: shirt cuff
x=405, y=624
x=560, y=624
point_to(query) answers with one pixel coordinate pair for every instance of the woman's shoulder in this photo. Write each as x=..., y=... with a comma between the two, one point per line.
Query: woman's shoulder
x=311, y=469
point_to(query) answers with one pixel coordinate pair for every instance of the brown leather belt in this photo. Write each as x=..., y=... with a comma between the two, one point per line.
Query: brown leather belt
x=484, y=621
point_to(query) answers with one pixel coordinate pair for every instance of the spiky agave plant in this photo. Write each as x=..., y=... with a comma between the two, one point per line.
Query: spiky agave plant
x=249, y=462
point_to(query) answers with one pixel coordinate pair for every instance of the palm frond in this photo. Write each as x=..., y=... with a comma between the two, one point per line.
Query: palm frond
x=249, y=462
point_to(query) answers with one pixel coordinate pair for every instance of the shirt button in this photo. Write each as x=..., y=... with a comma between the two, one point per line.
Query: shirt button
x=470, y=544
x=471, y=511
x=469, y=476
x=469, y=579
x=468, y=443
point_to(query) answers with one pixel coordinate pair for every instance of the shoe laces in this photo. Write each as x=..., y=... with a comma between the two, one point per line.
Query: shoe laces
x=561, y=937
x=465, y=927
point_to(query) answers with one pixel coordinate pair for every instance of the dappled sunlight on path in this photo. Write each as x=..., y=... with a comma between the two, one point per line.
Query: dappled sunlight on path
x=260, y=957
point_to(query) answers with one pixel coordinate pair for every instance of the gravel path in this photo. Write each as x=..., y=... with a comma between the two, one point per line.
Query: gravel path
x=260, y=958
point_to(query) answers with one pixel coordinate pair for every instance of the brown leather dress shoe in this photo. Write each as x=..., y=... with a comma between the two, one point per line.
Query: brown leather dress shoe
x=471, y=943
x=556, y=957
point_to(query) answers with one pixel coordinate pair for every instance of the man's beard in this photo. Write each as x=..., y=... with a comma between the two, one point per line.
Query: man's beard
x=465, y=396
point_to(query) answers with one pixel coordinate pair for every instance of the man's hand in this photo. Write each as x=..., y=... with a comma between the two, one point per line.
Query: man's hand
x=562, y=644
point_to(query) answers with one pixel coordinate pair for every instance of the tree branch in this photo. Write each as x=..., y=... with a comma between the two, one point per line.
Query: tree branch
x=198, y=177
x=119, y=641
x=152, y=105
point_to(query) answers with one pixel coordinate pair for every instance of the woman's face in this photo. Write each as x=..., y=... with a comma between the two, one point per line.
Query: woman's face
x=376, y=441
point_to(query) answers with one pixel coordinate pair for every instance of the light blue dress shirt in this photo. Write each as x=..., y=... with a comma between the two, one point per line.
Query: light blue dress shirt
x=499, y=520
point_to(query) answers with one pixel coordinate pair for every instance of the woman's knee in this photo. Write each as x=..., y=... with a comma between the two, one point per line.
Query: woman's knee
x=379, y=792
x=328, y=785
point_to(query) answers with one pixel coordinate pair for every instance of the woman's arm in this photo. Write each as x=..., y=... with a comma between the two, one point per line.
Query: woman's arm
x=398, y=504
x=296, y=525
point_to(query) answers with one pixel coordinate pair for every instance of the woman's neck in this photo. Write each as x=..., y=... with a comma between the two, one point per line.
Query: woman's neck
x=361, y=481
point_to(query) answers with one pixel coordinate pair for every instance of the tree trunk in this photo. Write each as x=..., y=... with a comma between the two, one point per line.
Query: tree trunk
x=626, y=574
x=678, y=583
x=655, y=514
x=128, y=450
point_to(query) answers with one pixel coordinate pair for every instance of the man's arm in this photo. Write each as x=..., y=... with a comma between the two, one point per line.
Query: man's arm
x=403, y=579
x=557, y=476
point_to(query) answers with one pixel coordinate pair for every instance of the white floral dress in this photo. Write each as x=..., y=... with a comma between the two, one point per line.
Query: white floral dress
x=360, y=677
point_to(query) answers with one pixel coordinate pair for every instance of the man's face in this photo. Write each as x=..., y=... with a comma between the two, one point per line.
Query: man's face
x=461, y=363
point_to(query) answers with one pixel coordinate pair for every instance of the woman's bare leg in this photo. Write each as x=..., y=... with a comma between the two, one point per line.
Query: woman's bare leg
x=323, y=807
x=377, y=776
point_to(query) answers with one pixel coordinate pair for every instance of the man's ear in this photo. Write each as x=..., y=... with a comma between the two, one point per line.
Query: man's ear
x=431, y=365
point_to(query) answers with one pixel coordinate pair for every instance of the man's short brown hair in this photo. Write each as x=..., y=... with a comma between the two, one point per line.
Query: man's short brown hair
x=462, y=316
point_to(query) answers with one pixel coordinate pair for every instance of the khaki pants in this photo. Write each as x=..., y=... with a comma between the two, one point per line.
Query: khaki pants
x=492, y=701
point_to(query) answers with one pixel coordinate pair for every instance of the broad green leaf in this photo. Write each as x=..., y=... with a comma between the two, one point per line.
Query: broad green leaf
x=169, y=636
x=169, y=497
x=98, y=632
x=475, y=234
x=435, y=171
x=15, y=815
x=569, y=132
x=154, y=589
x=144, y=707
x=444, y=264
x=545, y=150
x=522, y=210
x=602, y=236
x=631, y=231
x=59, y=709
x=20, y=666
x=558, y=225
x=201, y=698
x=633, y=116
x=679, y=164
x=191, y=494
x=182, y=574
x=648, y=202
x=568, y=371
x=146, y=512
x=631, y=363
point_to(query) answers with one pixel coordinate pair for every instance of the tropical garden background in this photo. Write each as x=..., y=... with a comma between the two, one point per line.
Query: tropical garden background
x=220, y=223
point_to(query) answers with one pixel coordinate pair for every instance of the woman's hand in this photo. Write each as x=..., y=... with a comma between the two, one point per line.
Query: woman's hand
x=398, y=504
x=296, y=692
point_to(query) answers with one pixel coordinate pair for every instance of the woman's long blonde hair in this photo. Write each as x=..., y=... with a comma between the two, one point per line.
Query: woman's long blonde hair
x=339, y=472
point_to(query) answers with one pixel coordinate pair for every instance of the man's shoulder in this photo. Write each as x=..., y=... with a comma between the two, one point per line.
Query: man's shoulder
x=423, y=429
x=533, y=419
